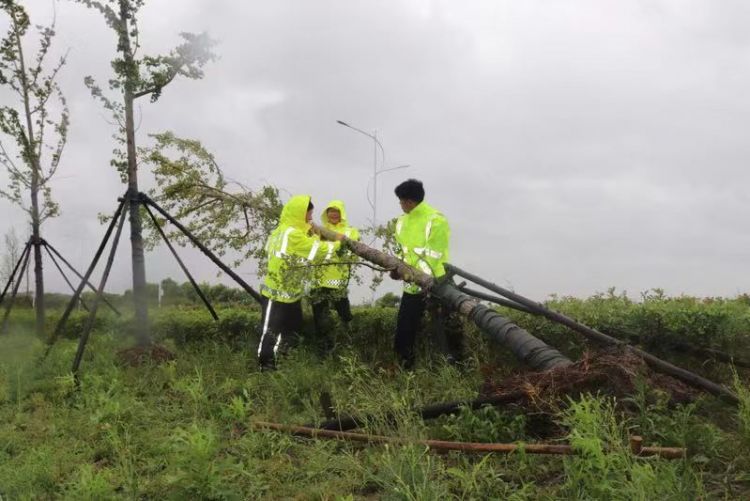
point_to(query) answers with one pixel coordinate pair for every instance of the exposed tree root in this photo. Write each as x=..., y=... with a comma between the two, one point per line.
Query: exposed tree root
x=614, y=372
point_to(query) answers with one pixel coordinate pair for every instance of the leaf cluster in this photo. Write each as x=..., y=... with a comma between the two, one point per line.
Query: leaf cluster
x=34, y=157
x=223, y=214
x=138, y=76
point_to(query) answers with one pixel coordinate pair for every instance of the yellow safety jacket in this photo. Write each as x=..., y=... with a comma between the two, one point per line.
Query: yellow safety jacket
x=289, y=248
x=336, y=276
x=423, y=236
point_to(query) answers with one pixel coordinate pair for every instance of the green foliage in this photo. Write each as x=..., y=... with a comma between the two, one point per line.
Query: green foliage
x=387, y=300
x=28, y=125
x=606, y=469
x=183, y=430
x=743, y=411
x=224, y=215
x=488, y=424
x=197, y=468
x=136, y=77
x=410, y=473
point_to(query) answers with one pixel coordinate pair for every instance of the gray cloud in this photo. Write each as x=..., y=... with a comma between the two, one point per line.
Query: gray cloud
x=573, y=145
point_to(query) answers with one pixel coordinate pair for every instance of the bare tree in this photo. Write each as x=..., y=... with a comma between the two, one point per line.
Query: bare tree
x=136, y=77
x=38, y=136
x=11, y=255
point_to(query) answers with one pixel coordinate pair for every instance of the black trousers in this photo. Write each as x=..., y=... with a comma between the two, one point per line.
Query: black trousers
x=322, y=300
x=281, y=323
x=445, y=327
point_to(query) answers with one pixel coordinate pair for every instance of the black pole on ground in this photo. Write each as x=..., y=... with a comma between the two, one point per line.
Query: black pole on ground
x=182, y=265
x=14, y=292
x=15, y=269
x=97, y=298
x=65, y=277
x=592, y=334
x=63, y=320
x=496, y=299
x=146, y=199
x=80, y=277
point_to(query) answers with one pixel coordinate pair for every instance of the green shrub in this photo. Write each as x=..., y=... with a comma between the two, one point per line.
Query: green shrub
x=606, y=469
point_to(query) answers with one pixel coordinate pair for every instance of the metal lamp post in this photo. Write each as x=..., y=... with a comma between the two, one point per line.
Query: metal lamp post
x=375, y=171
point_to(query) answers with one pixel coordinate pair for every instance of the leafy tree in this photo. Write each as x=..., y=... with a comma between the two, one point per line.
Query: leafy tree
x=223, y=214
x=136, y=77
x=388, y=300
x=39, y=136
x=170, y=292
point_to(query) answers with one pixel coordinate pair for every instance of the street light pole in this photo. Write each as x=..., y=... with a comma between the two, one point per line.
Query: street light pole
x=375, y=172
x=375, y=178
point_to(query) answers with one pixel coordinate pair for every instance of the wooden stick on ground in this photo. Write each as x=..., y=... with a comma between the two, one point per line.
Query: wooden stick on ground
x=446, y=446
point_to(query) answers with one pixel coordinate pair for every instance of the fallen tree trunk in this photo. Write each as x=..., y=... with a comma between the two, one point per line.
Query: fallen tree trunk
x=468, y=447
x=526, y=348
x=594, y=335
x=697, y=351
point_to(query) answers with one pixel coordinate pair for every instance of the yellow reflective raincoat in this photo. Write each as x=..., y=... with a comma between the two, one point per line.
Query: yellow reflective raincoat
x=423, y=236
x=337, y=276
x=289, y=248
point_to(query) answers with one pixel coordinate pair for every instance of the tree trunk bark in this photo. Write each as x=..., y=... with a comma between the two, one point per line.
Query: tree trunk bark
x=38, y=266
x=32, y=160
x=142, y=328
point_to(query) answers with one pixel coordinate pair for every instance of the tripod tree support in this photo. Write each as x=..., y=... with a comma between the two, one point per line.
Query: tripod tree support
x=205, y=250
x=97, y=298
x=182, y=265
x=527, y=349
x=71, y=304
x=16, y=285
x=594, y=335
x=65, y=277
x=11, y=278
x=49, y=248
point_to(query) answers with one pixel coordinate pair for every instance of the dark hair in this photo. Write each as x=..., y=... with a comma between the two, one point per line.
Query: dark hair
x=310, y=205
x=411, y=189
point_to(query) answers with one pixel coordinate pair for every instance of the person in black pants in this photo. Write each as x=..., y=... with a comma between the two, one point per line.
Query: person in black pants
x=279, y=319
x=445, y=328
x=422, y=236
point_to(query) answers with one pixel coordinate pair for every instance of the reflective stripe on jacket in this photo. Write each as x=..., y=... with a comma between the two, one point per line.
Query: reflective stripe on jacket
x=289, y=249
x=423, y=237
x=337, y=276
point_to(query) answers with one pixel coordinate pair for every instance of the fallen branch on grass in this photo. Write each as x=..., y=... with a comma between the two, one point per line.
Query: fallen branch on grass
x=467, y=447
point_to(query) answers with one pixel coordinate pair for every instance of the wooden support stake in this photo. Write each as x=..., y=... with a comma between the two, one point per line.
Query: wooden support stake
x=14, y=292
x=71, y=304
x=97, y=298
x=182, y=265
x=49, y=248
x=205, y=250
x=11, y=278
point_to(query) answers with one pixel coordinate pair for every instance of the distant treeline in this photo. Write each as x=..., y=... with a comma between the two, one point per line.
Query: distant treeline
x=167, y=293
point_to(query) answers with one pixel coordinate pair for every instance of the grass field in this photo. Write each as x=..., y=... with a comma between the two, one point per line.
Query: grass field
x=182, y=429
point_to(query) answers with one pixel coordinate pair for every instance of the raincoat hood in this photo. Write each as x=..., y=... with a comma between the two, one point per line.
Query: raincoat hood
x=294, y=212
x=334, y=204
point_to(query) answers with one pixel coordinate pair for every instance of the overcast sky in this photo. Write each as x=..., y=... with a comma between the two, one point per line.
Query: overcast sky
x=573, y=145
